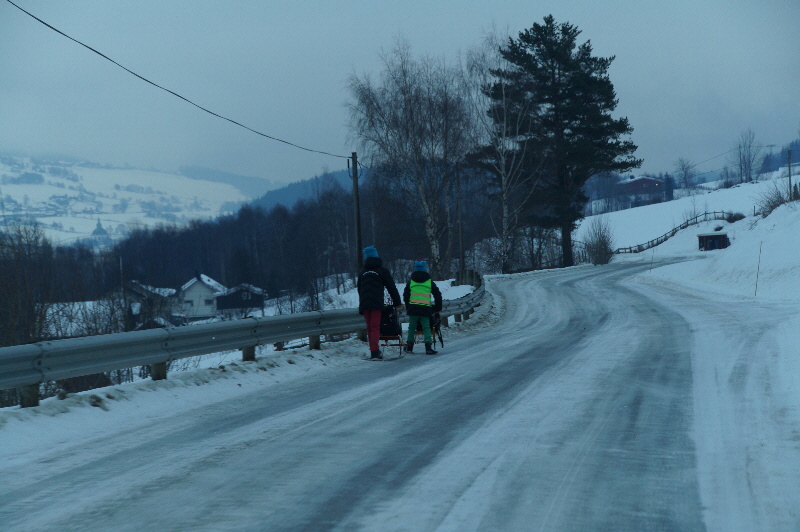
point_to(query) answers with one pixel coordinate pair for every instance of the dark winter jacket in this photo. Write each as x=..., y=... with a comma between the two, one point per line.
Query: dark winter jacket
x=374, y=277
x=422, y=310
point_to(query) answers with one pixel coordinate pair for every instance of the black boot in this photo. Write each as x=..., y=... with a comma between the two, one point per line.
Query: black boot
x=429, y=349
x=410, y=347
x=376, y=354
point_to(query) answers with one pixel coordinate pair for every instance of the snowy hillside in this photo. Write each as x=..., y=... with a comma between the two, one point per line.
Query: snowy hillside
x=69, y=199
x=763, y=259
x=638, y=225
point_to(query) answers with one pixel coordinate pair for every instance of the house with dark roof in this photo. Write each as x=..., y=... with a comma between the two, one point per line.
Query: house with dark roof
x=241, y=299
x=148, y=303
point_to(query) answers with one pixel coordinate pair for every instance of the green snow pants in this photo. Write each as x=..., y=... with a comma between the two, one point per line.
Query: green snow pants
x=426, y=328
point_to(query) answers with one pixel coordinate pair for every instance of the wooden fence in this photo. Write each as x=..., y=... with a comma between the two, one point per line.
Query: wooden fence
x=700, y=218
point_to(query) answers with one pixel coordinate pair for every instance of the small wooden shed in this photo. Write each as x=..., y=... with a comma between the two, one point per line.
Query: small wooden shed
x=709, y=241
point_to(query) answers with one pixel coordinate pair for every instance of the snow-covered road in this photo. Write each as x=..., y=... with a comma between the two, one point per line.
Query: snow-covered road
x=584, y=401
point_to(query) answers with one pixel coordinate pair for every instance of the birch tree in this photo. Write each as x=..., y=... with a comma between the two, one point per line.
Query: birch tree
x=501, y=121
x=412, y=123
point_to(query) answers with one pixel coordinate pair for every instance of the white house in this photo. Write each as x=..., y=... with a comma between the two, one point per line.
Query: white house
x=197, y=298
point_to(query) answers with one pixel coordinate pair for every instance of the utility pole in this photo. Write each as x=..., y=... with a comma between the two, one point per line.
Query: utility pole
x=126, y=316
x=460, y=226
x=789, y=160
x=357, y=209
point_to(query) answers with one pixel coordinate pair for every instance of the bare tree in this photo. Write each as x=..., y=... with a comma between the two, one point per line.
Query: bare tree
x=26, y=260
x=747, y=153
x=500, y=123
x=412, y=124
x=25, y=288
x=770, y=199
x=727, y=177
x=684, y=169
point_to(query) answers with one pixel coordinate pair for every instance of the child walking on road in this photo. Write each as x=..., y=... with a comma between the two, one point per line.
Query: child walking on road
x=422, y=298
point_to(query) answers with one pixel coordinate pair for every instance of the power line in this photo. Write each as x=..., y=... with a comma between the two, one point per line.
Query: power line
x=172, y=92
x=714, y=157
x=726, y=153
x=709, y=172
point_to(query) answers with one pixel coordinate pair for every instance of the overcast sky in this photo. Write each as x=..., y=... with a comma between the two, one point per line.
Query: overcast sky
x=691, y=75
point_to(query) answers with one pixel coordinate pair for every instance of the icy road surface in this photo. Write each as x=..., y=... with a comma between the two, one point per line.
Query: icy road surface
x=584, y=402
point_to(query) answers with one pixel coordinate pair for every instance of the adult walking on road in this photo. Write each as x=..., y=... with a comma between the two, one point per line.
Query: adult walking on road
x=371, y=283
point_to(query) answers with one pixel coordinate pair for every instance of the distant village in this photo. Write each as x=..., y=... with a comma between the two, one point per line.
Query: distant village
x=99, y=210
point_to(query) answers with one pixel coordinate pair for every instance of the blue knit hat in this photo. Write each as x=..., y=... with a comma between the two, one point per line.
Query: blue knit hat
x=420, y=266
x=370, y=251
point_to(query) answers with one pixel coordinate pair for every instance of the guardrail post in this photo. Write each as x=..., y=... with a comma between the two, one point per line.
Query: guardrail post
x=457, y=318
x=445, y=321
x=314, y=342
x=158, y=371
x=29, y=396
x=249, y=353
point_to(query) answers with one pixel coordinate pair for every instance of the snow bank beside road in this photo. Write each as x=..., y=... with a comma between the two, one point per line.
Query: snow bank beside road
x=746, y=364
x=738, y=271
x=223, y=376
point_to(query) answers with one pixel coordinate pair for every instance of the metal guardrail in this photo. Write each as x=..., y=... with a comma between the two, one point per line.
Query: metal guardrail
x=32, y=364
x=705, y=217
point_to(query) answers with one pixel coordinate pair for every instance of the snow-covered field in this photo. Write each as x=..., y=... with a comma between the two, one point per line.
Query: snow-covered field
x=742, y=307
x=69, y=199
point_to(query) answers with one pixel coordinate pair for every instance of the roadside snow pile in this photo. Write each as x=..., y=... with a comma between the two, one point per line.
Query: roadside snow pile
x=207, y=379
x=346, y=296
x=131, y=405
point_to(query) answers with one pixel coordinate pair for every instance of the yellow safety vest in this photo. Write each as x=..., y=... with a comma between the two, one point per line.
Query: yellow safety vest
x=420, y=293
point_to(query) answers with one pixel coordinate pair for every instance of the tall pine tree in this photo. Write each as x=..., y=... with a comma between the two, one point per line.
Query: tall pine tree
x=568, y=99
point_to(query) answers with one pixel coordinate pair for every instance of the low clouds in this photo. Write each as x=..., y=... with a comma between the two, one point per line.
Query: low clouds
x=690, y=75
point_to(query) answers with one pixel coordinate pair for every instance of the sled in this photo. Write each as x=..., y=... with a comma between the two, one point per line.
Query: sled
x=436, y=331
x=391, y=334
